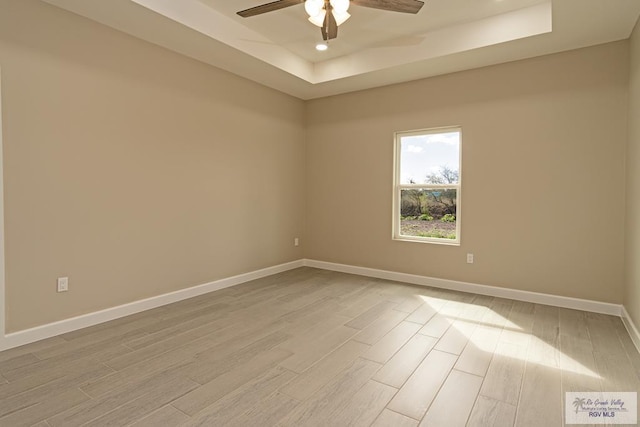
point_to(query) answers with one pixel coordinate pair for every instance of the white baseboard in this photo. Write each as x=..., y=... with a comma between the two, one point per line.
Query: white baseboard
x=494, y=291
x=631, y=328
x=63, y=326
x=56, y=328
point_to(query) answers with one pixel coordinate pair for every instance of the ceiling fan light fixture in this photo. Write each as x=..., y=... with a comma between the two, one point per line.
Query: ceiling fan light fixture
x=336, y=10
x=340, y=6
x=318, y=20
x=340, y=17
x=313, y=7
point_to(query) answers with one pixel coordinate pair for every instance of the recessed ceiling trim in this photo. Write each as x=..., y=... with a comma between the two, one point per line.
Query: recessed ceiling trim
x=527, y=22
x=375, y=48
x=205, y=20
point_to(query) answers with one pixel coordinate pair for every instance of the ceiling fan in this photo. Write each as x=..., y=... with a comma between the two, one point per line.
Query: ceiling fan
x=329, y=14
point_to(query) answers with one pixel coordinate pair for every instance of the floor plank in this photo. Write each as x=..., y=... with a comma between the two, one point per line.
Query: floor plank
x=43, y=393
x=393, y=419
x=489, y=412
x=208, y=393
x=118, y=397
x=454, y=401
x=266, y=412
x=541, y=393
x=425, y=312
x=365, y=406
x=242, y=399
x=384, y=349
x=317, y=348
x=477, y=355
x=44, y=408
x=216, y=363
x=307, y=383
x=380, y=327
x=165, y=416
x=396, y=371
x=436, y=326
x=503, y=380
x=504, y=376
x=144, y=405
x=416, y=395
x=579, y=370
x=541, y=398
x=370, y=315
x=333, y=397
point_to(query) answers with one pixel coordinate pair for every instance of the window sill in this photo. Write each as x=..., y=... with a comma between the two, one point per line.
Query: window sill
x=444, y=242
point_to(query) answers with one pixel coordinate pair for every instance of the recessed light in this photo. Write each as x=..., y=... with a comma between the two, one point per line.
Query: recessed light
x=322, y=47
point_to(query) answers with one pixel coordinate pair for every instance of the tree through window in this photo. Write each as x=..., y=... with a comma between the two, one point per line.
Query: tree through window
x=427, y=185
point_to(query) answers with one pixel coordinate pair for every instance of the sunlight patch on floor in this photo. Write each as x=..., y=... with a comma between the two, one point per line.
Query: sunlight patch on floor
x=468, y=318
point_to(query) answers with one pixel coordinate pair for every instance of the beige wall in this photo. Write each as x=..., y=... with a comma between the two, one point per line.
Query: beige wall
x=632, y=260
x=133, y=170
x=543, y=169
x=136, y=171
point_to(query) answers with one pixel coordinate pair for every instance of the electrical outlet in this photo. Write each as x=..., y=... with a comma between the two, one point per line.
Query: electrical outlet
x=469, y=258
x=296, y=242
x=63, y=284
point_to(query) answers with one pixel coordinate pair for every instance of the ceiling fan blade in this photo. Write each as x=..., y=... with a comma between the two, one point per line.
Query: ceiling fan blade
x=405, y=6
x=330, y=27
x=268, y=7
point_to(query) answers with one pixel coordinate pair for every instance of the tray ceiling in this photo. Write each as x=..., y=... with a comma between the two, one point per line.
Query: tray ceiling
x=373, y=47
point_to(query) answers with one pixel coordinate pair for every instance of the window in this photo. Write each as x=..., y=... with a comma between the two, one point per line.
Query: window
x=427, y=186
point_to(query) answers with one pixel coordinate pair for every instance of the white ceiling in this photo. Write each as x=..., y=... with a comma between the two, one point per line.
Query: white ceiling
x=374, y=47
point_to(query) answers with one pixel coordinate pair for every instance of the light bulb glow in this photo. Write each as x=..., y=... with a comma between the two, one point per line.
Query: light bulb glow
x=340, y=5
x=321, y=47
x=318, y=20
x=313, y=7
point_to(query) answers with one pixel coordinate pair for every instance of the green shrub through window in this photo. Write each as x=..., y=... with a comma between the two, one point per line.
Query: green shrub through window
x=427, y=185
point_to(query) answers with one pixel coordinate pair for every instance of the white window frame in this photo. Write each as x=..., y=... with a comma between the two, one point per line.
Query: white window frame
x=398, y=187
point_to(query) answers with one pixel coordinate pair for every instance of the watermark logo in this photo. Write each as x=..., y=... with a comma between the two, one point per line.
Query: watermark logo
x=601, y=407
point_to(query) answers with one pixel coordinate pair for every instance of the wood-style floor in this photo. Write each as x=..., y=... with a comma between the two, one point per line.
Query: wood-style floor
x=317, y=348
